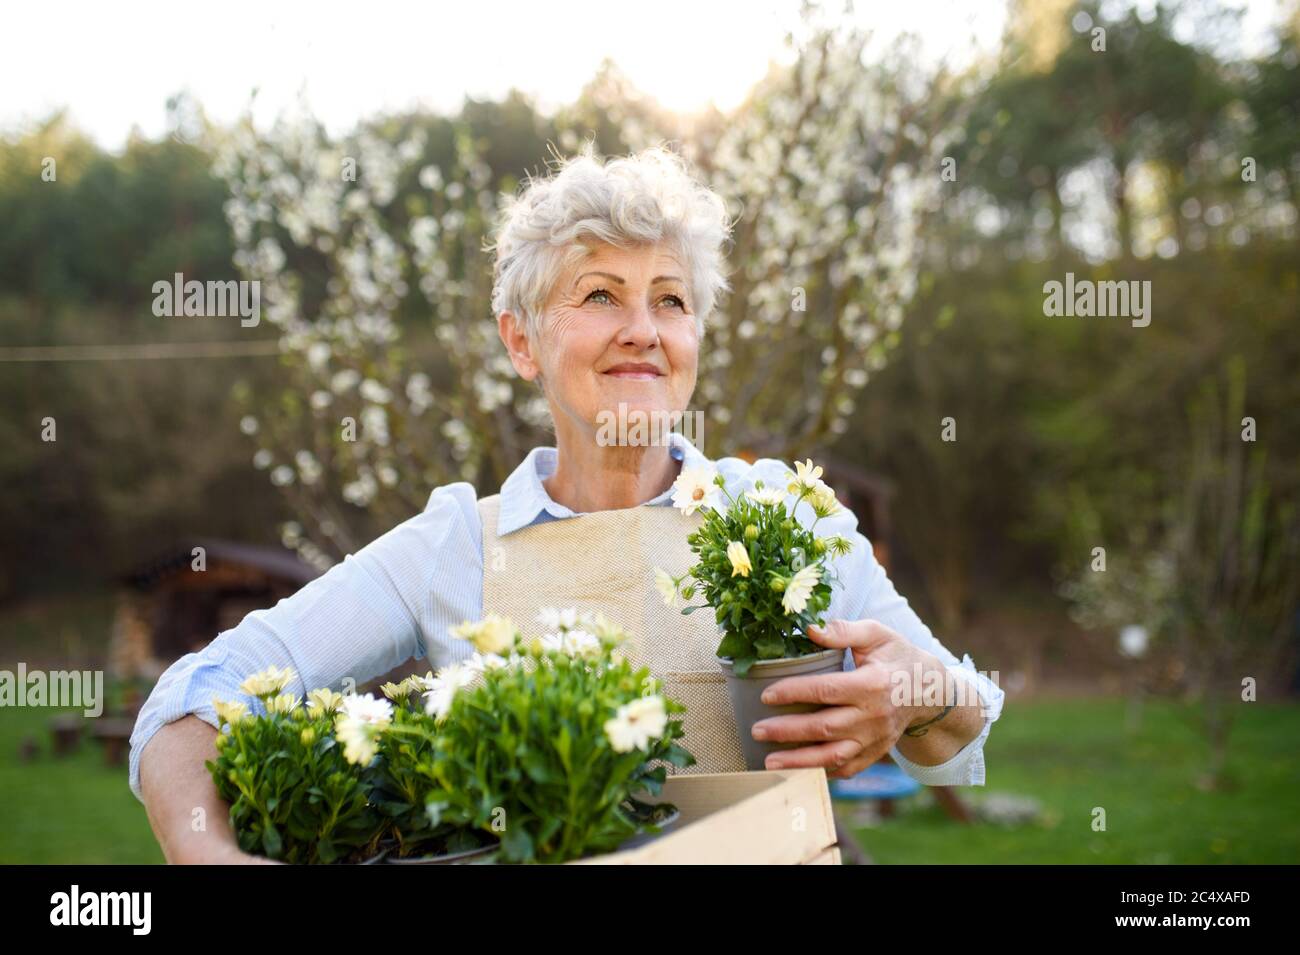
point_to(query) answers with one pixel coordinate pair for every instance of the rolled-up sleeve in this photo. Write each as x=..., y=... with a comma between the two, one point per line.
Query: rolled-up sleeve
x=368, y=614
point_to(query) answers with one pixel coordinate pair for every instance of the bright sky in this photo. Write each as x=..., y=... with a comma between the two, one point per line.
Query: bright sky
x=115, y=64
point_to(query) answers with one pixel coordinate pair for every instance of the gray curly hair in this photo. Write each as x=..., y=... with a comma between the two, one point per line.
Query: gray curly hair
x=648, y=197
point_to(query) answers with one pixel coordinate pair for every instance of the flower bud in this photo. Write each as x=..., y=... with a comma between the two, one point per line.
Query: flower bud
x=778, y=584
x=751, y=532
x=308, y=735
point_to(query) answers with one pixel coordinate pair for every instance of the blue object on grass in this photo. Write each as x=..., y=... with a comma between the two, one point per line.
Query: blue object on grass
x=878, y=781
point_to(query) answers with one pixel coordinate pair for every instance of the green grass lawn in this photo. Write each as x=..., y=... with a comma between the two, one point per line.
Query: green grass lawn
x=1070, y=756
x=74, y=809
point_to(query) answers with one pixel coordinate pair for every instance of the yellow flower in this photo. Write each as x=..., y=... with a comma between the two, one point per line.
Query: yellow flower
x=800, y=588
x=805, y=476
x=492, y=634
x=667, y=587
x=267, y=683
x=739, y=558
x=229, y=712
x=322, y=701
x=823, y=500
x=608, y=631
x=396, y=691
x=284, y=703
x=413, y=684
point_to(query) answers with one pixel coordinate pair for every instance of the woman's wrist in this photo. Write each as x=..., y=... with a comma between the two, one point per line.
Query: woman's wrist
x=932, y=698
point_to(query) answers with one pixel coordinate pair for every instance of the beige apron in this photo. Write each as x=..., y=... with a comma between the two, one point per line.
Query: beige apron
x=604, y=562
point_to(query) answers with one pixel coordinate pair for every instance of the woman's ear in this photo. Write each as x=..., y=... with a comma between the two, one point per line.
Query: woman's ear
x=520, y=349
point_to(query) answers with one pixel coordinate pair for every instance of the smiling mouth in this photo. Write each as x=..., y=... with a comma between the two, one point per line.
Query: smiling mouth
x=634, y=372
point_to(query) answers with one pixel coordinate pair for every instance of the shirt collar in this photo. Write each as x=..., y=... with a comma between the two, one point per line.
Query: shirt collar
x=525, y=501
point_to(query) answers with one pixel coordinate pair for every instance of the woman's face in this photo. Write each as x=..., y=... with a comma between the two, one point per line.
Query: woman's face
x=618, y=329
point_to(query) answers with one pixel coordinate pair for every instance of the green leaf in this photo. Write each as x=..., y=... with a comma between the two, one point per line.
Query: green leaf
x=327, y=851
x=462, y=840
x=770, y=646
x=732, y=645
x=271, y=842
x=517, y=844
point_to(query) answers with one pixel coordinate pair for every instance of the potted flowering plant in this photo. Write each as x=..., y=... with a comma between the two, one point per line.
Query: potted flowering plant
x=767, y=578
x=399, y=762
x=293, y=795
x=542, y=744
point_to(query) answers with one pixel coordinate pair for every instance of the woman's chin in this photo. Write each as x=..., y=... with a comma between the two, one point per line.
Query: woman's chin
x=636, y=420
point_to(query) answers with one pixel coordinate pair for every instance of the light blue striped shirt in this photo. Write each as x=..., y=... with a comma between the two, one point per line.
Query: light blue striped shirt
x=396, y=599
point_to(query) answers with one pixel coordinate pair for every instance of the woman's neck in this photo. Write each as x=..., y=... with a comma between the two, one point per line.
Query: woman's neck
x=591, y=477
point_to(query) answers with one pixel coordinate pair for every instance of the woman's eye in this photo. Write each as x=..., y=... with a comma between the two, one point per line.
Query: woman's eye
x=675, y=300
x=601, y=292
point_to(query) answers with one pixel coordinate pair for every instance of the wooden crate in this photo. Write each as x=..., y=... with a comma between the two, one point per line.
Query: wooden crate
x=779, y=817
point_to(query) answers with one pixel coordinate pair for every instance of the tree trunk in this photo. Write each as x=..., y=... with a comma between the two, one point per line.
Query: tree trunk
x=1123, y=214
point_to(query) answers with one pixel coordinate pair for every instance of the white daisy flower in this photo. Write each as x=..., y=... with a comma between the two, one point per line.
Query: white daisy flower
x=358, y=724
x=553, y=618
x=694, y=488
x=443, y=689
x=482, y=662
x=637, y=724
x=768, y=496
x=667, y=587
x=800, y=588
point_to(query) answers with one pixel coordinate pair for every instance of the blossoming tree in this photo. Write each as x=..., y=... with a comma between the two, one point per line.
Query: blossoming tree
x=829, y=167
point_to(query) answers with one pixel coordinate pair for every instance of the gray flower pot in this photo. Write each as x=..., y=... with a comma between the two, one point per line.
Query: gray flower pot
x=749, y=709
x=466, y=857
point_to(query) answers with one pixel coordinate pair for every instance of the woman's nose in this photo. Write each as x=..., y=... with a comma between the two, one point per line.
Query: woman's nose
x=639, y=330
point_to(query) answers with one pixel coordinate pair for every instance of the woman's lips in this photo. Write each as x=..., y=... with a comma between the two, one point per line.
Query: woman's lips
x=635, y=372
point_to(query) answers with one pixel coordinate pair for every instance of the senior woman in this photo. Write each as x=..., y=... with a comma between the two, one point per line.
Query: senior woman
x=604, y=277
